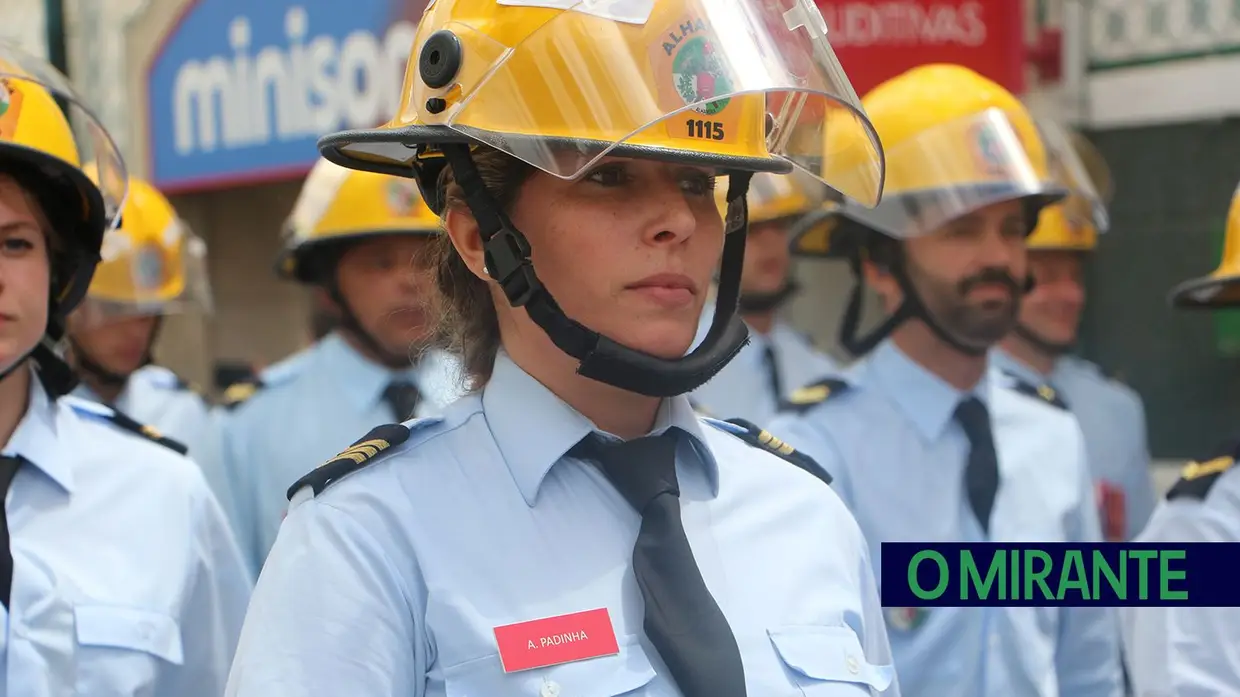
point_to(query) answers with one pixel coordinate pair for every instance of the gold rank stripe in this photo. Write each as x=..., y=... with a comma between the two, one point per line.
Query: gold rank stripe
x=1194, y=470
x=775, y=444
x=1045, y=392
x=363, y=451
x=810, y=395
x=239, y=392
x=152, y=432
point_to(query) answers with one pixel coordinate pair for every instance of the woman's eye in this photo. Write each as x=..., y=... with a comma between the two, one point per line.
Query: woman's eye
x=17, y=244
x=608, y=175
x=698, y=184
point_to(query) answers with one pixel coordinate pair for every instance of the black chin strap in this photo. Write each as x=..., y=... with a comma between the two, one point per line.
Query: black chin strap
x=55, y=374
x=911, y=307
x=351, y=324
x=507, y=254
x=762, y=303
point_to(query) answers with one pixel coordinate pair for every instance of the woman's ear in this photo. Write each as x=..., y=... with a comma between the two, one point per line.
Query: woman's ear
x=462, y=229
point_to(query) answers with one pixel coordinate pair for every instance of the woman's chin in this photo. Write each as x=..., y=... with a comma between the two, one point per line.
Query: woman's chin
x=662, y=339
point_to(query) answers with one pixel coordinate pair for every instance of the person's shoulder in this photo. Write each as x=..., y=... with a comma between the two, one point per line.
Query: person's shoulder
x=1204, y=503
x=384, y=447
x=165, y=379
x=767, y=446
x=130, y=451
x=775, y=472
x=1198, y=478
x=108, y=422
x=813, y=396
x=1039, y=393
x=272, y=381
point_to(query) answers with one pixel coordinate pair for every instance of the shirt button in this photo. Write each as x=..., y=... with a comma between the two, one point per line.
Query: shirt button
x=853, y=666
x=550, y=689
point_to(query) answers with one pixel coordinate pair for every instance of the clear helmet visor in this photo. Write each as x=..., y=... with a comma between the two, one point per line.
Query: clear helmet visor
x=1086, y=205
x=45, y=123
x=951, y=171
x=143, y=277
x=753, y=84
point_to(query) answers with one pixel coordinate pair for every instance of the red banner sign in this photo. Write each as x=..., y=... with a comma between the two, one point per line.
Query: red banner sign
x=879, y=39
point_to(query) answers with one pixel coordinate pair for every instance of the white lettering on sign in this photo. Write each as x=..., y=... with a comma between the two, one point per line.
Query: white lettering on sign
x=869, y=24
x=309, y=87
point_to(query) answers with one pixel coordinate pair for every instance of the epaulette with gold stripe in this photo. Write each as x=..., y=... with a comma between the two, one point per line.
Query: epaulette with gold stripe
x=352, y=459
x=126, y=423
x=239, y=392
x=148, y=432
x=760, y=438
x=1041, y=391
x=1197, y=477
x=813, y=394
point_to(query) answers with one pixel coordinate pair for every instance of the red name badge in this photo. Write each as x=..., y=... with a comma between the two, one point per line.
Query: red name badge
x=555, y=640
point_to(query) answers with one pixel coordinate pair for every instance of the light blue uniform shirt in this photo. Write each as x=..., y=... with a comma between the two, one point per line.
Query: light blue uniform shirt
x=1112, y=419
x=898, y=457
x=392, y=580
x=126, y=578
x=743, y=388
x=1188, y=651
x=1115, y=434
x=156, y=397
x=311, y=407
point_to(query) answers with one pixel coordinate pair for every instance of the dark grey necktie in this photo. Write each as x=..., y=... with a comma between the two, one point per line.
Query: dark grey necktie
x=682, y=619
x=8, y=470
x=402, y=397
x=772, y=373
x=981, y=475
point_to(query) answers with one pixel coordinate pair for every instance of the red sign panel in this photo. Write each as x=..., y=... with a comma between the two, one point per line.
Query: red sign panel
x=879, y=39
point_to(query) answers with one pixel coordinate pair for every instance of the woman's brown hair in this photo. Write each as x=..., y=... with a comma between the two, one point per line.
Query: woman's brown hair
x=467, y=323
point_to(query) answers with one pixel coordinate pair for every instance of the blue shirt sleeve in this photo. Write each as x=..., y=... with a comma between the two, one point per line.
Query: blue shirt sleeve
x=331, y=615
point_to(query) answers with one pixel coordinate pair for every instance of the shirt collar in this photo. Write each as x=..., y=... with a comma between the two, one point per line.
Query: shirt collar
x=36, y=438
x=534, y=428
x=1011, y=364
x=926, y=400
x=360, y=379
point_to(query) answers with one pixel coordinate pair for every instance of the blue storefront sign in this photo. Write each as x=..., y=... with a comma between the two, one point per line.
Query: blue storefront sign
x=241, y=89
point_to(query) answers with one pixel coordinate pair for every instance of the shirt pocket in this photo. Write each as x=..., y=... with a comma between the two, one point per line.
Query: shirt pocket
x=623, y=673
x=122, y=650
x=827, y=660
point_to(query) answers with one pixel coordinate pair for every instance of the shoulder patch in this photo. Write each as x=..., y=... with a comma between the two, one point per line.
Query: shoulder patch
x=813, y=394
x=127, y=423
x=1042, y=391
x=759, y=438
x=355, y=457
x=1197, y=478
x=239, y=392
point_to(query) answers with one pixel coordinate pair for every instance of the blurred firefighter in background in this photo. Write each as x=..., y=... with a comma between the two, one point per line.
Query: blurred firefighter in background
x=354, y=238
x=1111, y=415
x=778, y=358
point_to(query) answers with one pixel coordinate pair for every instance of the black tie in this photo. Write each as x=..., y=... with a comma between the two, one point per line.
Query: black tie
x=682, y=620
x=772, y=373
x=402, y=397
x=8, y=470
x=981, y=475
